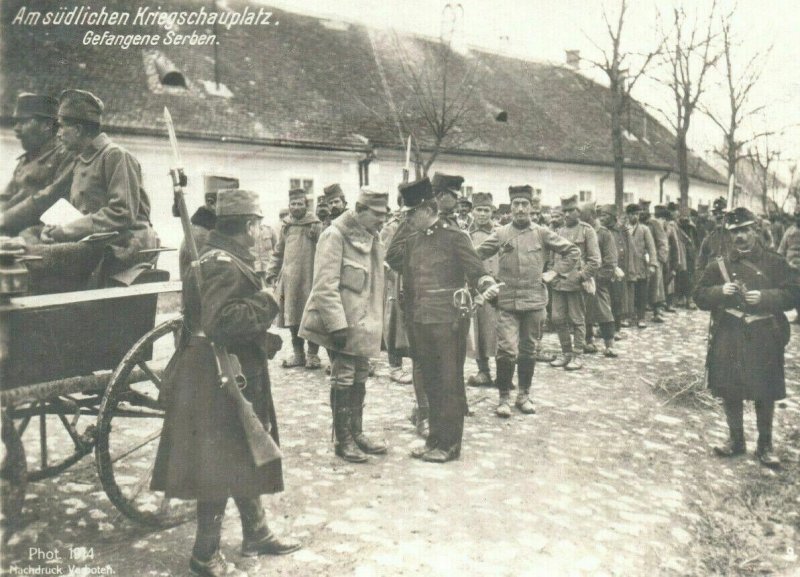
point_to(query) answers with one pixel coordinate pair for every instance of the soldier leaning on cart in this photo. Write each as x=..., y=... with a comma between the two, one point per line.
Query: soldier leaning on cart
x=43, y=170
x=203, y=454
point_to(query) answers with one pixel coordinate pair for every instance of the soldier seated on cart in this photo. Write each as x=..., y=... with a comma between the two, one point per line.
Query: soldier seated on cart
x=107, y=189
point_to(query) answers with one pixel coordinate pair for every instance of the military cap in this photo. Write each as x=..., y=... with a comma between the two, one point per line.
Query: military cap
x=322, y=200
x=672, y=206
x=213, y=183
x=80, y=105
x=447, y=183
x=692, y=212
x=377, y=200
x=645, y=206
x=660, y=210
x=569, y=202
x=297, y=193
x=504, y=209
x=738, y=218
x=536, y=204
x=333, y=191
x=556, y=211
x=483, y=199
x=238, y=202
x=524, y=191
x=633, y=208
x=610, y=209
x=283, y=213
x=719, y=205
x=415, y=193
x=465, y=200
x=29, y=105
x=702, y=209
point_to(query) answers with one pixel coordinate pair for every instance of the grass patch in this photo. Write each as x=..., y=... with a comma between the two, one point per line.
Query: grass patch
x=686, y=389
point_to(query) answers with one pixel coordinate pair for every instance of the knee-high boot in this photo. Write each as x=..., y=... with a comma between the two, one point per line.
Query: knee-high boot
x=734, y=414
x=367, y=445
x=765, y=411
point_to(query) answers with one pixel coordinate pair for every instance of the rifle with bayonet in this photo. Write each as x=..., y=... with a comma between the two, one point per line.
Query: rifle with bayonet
x=260, y=443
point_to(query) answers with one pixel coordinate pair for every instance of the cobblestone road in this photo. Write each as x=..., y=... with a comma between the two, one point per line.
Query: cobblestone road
x=603, y=480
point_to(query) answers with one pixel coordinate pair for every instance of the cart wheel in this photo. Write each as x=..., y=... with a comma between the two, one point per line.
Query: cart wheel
x=129, y=427
x=13, y=476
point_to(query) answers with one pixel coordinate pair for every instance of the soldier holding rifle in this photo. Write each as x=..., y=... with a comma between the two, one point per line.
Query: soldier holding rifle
x=220, y=434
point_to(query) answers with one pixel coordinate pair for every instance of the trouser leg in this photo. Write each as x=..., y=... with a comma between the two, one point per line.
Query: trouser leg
x=209, y=528
x=313, y=348
x=765, y=412
x=297, y=342
x=734, y=414
x=560, y=313
x=254, y=521
x=508, y=334
x=577, y=319
x=395, y=361
x=640, y=298
x=607, y=330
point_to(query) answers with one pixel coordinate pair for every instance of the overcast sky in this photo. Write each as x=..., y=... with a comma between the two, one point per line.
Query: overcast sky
x=543, y=29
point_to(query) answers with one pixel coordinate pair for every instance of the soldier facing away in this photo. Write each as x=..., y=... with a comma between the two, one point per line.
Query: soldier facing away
x=747, y=292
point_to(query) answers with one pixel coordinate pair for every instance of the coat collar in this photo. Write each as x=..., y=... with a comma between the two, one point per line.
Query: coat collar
x=488, y=227
x=753, y=256
x=353, y=232
x=100, y=142
x=226, y=243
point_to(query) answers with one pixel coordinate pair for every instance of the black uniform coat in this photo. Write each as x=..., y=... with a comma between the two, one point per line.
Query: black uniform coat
x=203, y=453
x=745, y=360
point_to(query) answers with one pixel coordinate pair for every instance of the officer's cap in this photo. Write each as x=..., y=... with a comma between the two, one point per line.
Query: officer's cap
x=296, y=193
x=504, y=209
x=213, y=183
x=30, y=105
x=738, y=218
x=447, y=183
x=719, y=205
x=465, y=200
x=80, y=105
x=377, y=200
x=645, y=206
x=633, y=208
x=609, y=209
x=415, y=193
x=237, y=202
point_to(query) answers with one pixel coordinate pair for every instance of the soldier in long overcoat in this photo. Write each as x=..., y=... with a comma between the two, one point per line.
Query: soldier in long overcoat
x=291, y=269
x=43, y=171
x=658, y=295
x=642, y=262
x=747, y=292
x=598, y=308
x=485, y=320
x=394, y=331
x=203, y=454
x=620, y=304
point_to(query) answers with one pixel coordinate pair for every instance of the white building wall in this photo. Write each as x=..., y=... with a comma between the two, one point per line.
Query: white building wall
x=268, y=170
x=556, y=180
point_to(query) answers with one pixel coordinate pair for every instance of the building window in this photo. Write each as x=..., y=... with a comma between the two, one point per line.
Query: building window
x=306, y=184
x=585, y=195
x=466, y=191
x=627, y=198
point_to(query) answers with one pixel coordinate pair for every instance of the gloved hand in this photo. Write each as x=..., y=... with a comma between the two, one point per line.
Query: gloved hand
x=339, y=339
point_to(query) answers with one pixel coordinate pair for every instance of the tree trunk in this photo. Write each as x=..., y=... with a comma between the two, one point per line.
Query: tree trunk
x=683, y=170
x=619, y=153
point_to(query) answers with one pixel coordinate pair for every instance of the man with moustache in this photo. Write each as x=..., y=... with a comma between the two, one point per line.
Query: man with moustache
x=436, y=259
x=747, y=292
x=717, y=242
x=446, y=190
x=291, y=271
x=522, y=247
x=337, y=204
x=43, y=170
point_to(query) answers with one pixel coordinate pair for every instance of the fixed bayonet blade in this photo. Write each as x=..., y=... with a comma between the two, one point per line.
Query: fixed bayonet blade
x=173, y=139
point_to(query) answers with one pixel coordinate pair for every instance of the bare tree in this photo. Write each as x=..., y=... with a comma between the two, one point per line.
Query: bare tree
x=763, y=156
x=439, y=96
x=623, y=74
x=738, y=87
x=689, y=55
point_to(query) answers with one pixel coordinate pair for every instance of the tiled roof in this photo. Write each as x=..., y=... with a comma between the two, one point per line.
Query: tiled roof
x=307, y=83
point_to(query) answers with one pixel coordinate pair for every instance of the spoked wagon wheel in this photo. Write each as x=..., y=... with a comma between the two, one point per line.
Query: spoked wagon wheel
x=129, y=428
x=13, y=476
